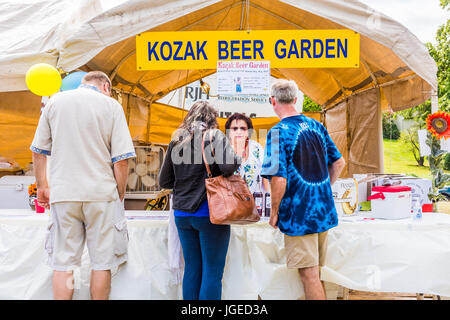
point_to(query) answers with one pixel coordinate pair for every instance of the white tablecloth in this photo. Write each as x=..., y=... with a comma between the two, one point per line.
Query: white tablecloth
x=369, y=255
x=391, y=256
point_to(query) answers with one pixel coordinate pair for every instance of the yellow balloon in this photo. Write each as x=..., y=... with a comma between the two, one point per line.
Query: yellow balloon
x=43, y=79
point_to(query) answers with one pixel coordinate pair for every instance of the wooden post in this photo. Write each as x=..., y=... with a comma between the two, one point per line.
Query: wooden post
x=434, y=101
x=380, y=132
x=128, y=109
x=347, y=174
x=149, y=115
x=346, y=293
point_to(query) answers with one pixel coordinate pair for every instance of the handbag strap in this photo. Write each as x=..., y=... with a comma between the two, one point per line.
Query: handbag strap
x=203, y=152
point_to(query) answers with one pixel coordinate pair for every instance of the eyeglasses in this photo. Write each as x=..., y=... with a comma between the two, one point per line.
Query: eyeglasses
x=237, y=128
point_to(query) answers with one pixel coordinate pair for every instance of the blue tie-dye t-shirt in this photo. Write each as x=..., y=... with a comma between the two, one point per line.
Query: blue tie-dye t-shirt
x=299, y=149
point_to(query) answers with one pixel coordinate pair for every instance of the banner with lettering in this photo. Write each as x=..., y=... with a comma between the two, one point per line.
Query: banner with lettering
x=338, y=48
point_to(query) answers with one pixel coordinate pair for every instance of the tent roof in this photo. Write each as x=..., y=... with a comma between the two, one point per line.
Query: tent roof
x=88, y=36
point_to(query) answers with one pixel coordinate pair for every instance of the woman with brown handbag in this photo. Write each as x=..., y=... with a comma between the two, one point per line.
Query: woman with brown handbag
x=204, y=244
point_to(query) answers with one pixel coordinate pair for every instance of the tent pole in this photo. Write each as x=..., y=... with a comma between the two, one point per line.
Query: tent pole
x=434, y=101
x=149, y=116
x=128, y=109
x=114, y=72
x=366, y=66
x=276, y=15
x=379, y=119
x=242, y=15
x=235, y=4
x=132, y=94
x=380, y=132
x=379, y=85
x=349, y=135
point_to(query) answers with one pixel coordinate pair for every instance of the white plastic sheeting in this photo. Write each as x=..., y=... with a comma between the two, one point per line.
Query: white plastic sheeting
x=384, y=256
x=255, y=263
x=391, y=255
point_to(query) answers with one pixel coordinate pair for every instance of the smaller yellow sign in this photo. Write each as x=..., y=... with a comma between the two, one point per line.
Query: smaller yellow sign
x=283, y=48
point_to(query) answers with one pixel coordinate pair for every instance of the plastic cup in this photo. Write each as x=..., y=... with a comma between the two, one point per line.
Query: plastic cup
x=39, y=209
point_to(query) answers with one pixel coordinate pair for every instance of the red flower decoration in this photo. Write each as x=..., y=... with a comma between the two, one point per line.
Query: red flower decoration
x=438, y=124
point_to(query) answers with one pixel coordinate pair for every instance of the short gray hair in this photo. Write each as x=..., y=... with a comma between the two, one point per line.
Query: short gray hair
x=284, y=91
x=97, y=77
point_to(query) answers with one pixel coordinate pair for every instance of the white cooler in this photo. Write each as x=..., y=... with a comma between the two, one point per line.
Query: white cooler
x=14, y=192
x=391, y=202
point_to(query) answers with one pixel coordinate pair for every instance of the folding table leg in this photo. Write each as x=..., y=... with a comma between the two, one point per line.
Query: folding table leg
x=346, y=293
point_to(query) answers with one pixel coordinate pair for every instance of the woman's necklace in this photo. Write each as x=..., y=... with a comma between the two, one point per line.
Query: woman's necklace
x=244, y=153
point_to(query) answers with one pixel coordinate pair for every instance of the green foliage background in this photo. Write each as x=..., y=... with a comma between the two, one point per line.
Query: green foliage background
x=309, y=105
x=441, y=54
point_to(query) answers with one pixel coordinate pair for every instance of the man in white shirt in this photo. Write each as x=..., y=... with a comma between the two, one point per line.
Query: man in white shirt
x=85, y=132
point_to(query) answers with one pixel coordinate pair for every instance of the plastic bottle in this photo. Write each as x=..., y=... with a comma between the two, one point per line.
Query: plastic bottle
x=258, y=196
x=267, y=204
x=417, y=210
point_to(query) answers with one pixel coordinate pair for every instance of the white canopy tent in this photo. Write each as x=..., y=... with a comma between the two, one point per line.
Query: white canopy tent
x=69, y=34
x=396, y=71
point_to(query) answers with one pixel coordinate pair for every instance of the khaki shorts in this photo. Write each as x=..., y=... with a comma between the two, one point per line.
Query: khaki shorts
x=306, y=251
x=101, y=224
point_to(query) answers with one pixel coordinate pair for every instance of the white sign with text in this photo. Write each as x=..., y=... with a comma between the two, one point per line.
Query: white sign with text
x=243, y=77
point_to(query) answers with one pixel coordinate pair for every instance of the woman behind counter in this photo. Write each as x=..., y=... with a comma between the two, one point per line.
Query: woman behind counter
x=204, y=244
x=237, y=128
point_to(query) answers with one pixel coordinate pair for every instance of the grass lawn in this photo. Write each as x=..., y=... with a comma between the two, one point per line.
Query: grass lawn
x=398, y=160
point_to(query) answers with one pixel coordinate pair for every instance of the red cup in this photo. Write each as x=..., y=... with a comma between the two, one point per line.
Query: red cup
x=39, y=209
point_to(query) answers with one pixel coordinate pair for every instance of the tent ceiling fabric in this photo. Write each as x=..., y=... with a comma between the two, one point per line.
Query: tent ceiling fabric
x=93, y=38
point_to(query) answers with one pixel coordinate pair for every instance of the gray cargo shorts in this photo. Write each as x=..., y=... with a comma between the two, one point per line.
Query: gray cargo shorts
x=101, y=224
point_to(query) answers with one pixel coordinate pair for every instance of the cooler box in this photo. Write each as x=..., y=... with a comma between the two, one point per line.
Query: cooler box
x=14, y=192
x=419, y=187
x=392, y=202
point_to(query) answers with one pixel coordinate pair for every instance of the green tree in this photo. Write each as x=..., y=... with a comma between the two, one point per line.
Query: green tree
x=441, y=55
x=390, y=129
x=410, y=141
x=439, y=178
x=309, y=105
x=419, y=113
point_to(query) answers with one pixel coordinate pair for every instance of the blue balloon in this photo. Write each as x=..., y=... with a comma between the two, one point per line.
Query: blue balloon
x=72, y=81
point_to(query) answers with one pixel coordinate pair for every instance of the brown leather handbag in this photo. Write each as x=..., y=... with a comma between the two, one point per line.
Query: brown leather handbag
x=229, y=198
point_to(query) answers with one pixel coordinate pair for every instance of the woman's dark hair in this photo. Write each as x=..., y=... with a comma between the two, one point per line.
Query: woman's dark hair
x=202, y=116
x=239, y=116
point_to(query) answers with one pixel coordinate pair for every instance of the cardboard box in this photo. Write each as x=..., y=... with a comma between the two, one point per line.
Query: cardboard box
x=345, y=196
x=362, y=186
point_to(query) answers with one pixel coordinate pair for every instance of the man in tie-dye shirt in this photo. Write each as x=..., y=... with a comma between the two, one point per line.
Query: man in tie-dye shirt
x=302, y=163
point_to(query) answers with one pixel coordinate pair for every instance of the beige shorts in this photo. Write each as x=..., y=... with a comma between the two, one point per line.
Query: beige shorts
x=306, y=251
x=101, y=224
